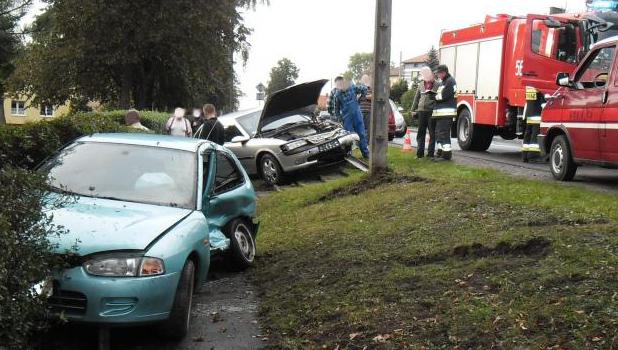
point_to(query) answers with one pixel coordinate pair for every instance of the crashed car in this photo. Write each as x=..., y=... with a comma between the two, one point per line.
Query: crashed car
x=285, y=136
x=145, y=214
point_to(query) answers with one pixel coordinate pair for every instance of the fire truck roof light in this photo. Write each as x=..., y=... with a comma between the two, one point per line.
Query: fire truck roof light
x=601, y=5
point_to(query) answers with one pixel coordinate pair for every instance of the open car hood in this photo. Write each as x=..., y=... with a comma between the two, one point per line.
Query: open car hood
x=295, y=99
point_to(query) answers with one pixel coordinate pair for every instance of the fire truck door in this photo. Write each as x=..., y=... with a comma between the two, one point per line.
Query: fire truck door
x=551, y=45
x=584, y=102
x=609, y=120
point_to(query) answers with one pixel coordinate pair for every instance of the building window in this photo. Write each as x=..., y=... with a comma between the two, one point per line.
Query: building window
x=47, y=111
x=18, y=108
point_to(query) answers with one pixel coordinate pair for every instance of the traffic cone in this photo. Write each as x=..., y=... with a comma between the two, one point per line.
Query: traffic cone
x=407, y=142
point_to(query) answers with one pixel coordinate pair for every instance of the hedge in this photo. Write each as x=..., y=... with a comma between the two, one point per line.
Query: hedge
x=26, y=146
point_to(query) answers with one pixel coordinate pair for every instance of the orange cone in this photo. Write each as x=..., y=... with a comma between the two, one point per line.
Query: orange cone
x=407, y=142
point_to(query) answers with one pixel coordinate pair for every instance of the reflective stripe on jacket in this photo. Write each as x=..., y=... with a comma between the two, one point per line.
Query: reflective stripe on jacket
x=446, y=102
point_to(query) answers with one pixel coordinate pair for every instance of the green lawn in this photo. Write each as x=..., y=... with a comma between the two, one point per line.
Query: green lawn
x=438, y=256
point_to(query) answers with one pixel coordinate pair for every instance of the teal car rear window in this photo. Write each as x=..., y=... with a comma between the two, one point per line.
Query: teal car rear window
x=123, y=172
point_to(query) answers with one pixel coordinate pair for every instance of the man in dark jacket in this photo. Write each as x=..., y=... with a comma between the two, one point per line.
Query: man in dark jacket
x=445, y=111
x=209, y=128
x=424, y=102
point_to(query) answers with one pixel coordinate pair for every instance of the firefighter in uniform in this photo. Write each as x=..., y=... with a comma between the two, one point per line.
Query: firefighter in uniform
x=444, y=112
x=532, y=125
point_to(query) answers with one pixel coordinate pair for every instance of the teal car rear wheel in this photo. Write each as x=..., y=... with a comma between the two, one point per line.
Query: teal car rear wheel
x=242, y=244
x=177, y=326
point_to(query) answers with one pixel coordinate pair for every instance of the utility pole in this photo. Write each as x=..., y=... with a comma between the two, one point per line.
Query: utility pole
x=380, y=106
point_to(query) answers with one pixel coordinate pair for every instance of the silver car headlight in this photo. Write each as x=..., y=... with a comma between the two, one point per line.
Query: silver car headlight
x=128, y=266
x=293, y=145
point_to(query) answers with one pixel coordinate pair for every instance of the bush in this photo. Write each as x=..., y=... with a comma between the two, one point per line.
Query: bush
x=26, y=146
x=408, y=99
x=27, y=256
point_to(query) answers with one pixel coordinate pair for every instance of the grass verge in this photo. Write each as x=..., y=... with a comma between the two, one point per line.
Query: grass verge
x=438, y=256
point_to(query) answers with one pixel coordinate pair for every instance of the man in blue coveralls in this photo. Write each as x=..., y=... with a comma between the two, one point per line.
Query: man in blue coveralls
x=345, y=102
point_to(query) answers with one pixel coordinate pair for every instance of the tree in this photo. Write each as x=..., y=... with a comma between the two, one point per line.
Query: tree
x=398, y=89
x=11, y=11
x=360, y=63
x=282, y=75
x=141, y=53
x=433, y=60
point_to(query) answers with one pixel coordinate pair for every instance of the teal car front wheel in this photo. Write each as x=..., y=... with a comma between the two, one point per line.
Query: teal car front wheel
x=242, y=244
x=177, y=326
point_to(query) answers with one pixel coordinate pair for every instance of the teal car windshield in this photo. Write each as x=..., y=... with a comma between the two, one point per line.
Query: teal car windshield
x=131, y=173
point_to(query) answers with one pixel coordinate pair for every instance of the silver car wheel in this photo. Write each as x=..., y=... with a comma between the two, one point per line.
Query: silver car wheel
x=245, y=242
x=269, y=169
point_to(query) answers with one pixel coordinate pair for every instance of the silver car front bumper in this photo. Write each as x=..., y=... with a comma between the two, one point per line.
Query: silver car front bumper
x=320, y=154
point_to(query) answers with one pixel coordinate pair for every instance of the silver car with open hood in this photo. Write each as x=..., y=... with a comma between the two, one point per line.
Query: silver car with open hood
x=285, y=136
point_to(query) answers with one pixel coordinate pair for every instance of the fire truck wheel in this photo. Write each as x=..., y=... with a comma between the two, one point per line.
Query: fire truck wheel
x=561, y=162
x=470, y=136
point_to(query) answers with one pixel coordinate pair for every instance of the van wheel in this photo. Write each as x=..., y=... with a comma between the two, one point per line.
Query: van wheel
x=470, y=136
x=561, y=162
x=242, y=244
x=270, y=170
x=177, y=325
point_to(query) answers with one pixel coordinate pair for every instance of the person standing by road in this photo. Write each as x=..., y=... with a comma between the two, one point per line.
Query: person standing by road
x=333, y=109
x=444, y=112
x=423, y=105
x=365, y=103
x=209, y=127
x=178, y=125
x=346, y=104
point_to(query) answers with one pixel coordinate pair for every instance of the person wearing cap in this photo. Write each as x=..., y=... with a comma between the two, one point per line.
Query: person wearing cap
x=422, y=107
x=445, y=111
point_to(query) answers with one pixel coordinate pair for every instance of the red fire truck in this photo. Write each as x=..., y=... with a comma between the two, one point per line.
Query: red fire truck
x=496, y=61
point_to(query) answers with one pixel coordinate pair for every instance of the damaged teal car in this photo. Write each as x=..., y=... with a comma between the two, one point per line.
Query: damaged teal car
x=146, y=214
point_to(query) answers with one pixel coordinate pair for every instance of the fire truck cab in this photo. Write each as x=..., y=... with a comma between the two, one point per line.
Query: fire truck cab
x=507, y=60
x=580, y=121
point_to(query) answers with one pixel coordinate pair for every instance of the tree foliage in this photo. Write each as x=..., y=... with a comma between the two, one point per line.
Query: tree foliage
x=11, y=12
x=282, y=75
x=359, y=64
x=398, y=89
x=140, y=53
x=27, y=256
x=433, y=60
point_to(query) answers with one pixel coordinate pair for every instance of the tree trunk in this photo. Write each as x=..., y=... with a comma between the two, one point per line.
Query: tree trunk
x=2, y=117
x=125, y=89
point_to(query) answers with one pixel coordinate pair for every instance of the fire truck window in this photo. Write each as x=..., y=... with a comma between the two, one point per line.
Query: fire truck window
x=595, y=72
x=555, y=43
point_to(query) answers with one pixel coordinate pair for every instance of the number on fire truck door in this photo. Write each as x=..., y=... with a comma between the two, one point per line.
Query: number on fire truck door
x=519, y=68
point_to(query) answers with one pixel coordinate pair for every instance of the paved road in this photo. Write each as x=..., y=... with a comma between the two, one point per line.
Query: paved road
x=505, y=156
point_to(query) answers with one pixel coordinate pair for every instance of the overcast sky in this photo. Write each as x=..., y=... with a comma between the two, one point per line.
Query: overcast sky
x=320, y=35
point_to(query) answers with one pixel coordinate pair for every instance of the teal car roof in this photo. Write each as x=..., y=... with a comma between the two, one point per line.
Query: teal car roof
x=162, y=141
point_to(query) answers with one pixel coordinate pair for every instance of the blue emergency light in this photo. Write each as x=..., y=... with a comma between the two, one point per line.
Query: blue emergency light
x=602, y=5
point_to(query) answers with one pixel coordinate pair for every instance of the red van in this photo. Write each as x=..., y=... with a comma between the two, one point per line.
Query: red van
x=579, y=124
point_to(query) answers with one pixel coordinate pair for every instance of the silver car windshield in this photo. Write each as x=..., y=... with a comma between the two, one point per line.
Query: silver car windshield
x=293, y=119
x=122, y=172
x=250, y=122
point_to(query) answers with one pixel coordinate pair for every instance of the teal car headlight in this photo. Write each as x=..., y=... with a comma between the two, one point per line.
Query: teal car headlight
x=293, y=145
x=127, y=266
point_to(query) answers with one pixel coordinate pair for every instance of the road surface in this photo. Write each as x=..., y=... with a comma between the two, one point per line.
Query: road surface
x=505, y=156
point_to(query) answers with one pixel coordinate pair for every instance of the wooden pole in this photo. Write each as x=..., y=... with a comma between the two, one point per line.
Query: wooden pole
x=380, y=107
